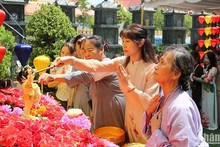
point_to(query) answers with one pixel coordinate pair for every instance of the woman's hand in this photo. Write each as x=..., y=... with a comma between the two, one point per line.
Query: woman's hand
x=45, y=78
x=60, y=61
x=156, y=121
x=124, y=80
x=153, y=104
x=204, y=75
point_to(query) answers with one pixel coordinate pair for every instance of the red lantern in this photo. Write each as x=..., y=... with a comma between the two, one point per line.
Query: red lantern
x=213, y=42
x=201, y=31
x=213, y=18
x=201, y=19
x=2, y=16
x=2, y=52
x=201, y=54
x=217, y=18
x=218, y=30
x=217, y=40
x=201, y=43
x=214, y=30
x=23, y=52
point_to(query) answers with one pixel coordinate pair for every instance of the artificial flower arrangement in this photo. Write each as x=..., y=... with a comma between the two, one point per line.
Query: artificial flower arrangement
x=50, y=126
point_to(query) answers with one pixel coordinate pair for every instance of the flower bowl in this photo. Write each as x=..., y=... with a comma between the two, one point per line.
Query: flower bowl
x=110, y=133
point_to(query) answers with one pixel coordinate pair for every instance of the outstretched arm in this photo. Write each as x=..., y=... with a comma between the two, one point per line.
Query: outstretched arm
x=89, y=65
x=71, y=79
x=46, y=78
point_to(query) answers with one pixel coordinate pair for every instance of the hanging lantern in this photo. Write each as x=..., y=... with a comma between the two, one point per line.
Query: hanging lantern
x=2, y=16
x=201, y=54
x=207, y=31
x=23, y=52
x=201, y=19
x=201, y=31
x=200, y=43
x=207, y=43
x=208, y=19
x=2, y=52
x=214, y=30
x=213, y=42
x=217, y=18
x=41, y=62
x=217, y=40
x=214, y=18
x=218, y=30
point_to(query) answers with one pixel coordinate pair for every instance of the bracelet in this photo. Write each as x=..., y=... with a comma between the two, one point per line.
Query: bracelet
x=131, y=89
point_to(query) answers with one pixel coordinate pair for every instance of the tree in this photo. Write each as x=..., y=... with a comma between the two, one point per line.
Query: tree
x=124, y=16
x=158, y=20
x=47, y=30
x=8, y=41
x=85, y=18
x=188, y=23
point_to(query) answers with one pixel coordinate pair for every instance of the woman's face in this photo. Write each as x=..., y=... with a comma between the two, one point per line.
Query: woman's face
x=206, y=60
x=65, y=51
x=130, y=47
x=163, y=71
x=91, y=52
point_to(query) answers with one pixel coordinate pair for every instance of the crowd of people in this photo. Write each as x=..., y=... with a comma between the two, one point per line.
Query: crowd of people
x=146, y=95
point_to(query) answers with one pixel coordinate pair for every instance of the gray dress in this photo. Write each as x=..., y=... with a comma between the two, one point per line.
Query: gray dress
x=108, y=102
x=82, y=98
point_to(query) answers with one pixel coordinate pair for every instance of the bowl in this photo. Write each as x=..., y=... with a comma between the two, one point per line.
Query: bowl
x=110, y=133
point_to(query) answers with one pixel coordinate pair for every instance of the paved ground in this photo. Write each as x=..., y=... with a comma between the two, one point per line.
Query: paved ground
x=212, y=137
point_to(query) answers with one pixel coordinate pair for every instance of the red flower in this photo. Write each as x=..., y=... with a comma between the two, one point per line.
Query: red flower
x=20, y=125
x=52, y=129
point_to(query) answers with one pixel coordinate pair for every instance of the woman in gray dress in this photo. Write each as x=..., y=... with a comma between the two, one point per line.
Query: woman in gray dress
x=108, y=102
x=81, y=98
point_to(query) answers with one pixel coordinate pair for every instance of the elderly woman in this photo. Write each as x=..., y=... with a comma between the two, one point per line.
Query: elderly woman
x=175, y=121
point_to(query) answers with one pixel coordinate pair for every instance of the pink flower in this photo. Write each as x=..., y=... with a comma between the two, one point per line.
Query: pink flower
x=53, y=129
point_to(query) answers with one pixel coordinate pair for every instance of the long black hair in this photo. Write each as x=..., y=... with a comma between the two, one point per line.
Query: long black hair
x=99, y=42
x=137, y=33
x=212, y=58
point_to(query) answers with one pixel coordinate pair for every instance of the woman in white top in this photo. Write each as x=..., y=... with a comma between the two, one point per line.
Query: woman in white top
x=138, y=62
x=64, y=92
